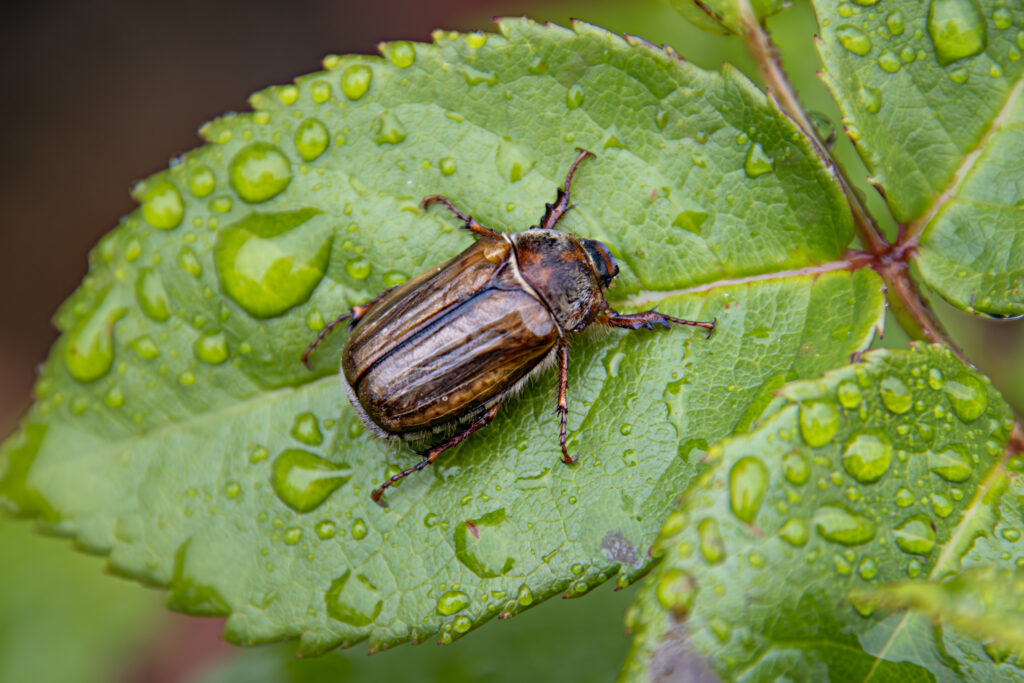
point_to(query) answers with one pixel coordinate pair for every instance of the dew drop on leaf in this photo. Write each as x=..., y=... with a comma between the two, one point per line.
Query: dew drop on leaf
x=889, y=61
x=854, y=39
x=941, y=506
x=511, y=162
x=306, y=429
x=915, y=536
x=259, y=172
x=904, y=497
x=849, y=394
x=867, y=458
x=748, y=481
x=201, y=181
x=311, y=139
x=796, y=469
x=895, y=395
x=524, y=596
x=303, y=480
x=359, y=268
x=711, y=546
x=89, y=353
x=358, y=529
x=795, y=532
x=819, y=422
x=452, y=602
x=355, y=81
x=447, y=165
x=152, y=296
x=968, y=397
x=757, y=162
x=211, y=348
x=353, y=600
x=482, y=545
x=402, y=53
x=956, y=28
x=162, y=206
x=951, y=465
x=390, y=130
x=325, y=530
x=870, y=98
x=574, y=96
x=894, y=20
x=676, y=591
x=320, y=91
x=837, y=524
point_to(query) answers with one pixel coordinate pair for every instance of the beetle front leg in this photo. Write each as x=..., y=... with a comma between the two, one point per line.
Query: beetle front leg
x=554, y=212
x=355, y=313
x=434, y=452
x=648, y=319
x=563, y=405
x=467, y=221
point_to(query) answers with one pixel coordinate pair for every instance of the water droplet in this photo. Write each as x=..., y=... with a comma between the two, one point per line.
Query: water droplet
x=538, y=66
x=447, y=165
x=359, y=529
x=867, y=458
x=482, y=545
x=676, y=591
x=915, y=536
x=356, y=602
x=320, y=91
x=661, y=118
x=325, y=530
x=1011, y=535
x=306, y=429
x=935, y=379
x=870, y=98
x=853, y=39
x=795, y=532
x=452, y=602
x=904, y=497
x=691, y=221
x=89, y=353
x=524, y=596
x=894, y=20
x=511, y=162
x=162, y=206
x=390, y=130
x=355, y=81
x=186, y=379
x=574, y=96
x=211, y=348
x=941, y=506
x=819, y=422
x=201, y=181
x=626, y=429
x=260, y=172
x=303, y=480
x=293, y=535
x=269, y=263
x=957, y=29
x=838, y=525
x=748, y=481
x=402, y=53
x=758, y=163
x=189, y=262
x=968, y=397
x=849, y=394
x=462, y=623
x=711, y=546
x=311, y=139
x=951, y=465
x=287, y=94
x=796, y=469
x=151, y=295
x=1002, y=18
x=895, y=395
x=889, y=61
x=476, y=40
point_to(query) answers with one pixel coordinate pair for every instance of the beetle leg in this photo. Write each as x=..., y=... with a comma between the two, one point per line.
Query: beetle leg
x=554, y=212
x=434, y=452
x=355, y=313
x=563, y=405
x=467, y=221
x=648, y=319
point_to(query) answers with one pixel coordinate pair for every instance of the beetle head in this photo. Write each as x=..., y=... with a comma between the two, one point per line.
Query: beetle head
x=601, y=258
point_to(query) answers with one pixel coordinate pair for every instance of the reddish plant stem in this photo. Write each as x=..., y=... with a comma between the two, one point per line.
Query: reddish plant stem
x=890, y=260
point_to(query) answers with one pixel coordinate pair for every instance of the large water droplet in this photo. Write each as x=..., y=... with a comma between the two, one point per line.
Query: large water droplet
x=151, y=295
x=837, y=524
x=259, y=172
x=483, y=547
x=162, y=206
x=951, y=465
x=711, y=545
x=269, y=263
x=758, y=162
x=676, y=591
x=853, y=39
x=311, y=139
x=748, y=481
x=867, y=458
x=402, y=53
x=968, y=397
x=353, y=600
x=303, y=481
x=795, y=532
x=511, y=162
x=819, y=422
x=452, y=602
x=90, y=349
x=915, y=536
x=390, y=130
x=355, y=81
x=957, y=29
x=895, y=395
x=212, y=348
x=889, y=61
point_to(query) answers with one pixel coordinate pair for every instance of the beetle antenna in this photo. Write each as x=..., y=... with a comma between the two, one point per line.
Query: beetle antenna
x=554, y=212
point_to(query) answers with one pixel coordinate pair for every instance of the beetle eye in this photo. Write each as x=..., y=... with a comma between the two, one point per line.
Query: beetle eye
x=601, y=258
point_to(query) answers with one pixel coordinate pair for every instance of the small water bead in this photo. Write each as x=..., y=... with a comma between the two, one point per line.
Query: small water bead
x=306, y=429
x=895, y=395
x=360, y=269
x=145, y=347
x=867, y=569
x=402, y=53
x=311, y=139
x=748, y=482
x=849, y=394
x=287, y=94
x=867, y=458
x=904, y=497
x=320, y=91
x=201, y=181
x=389, y=130
x=796, y=469
x=711, y=545
x=232, y=489
x=355, y=81
x=451, y=602
x=211, y=348
x=358, y=529
x=511, y=162
x=941, y=506
x=462, y=623
x=89, y=353
x=447, y=165
x=968, y=397
x=795, y=532
x=889, y=61
x=894, y=21
x=838, y=525
x=189, y=262
x=854, y=39
x=259, y=172
x=956, y=28
x=152, y=296
x=325, y=530
x=293, y=535
x=221, y=204
x=303, y=480
x=1011, y=535
x=757, y=162
x=819, y=422
x=676, y=591
x=186, y=379
x=162, y=206
x=951, y=465
x=915, y=536
x=574, y=96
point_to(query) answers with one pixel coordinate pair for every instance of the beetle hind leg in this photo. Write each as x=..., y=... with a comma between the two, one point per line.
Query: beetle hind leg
x=467, y=221
x=554, y=212
x=563, y=405
x=433, y=453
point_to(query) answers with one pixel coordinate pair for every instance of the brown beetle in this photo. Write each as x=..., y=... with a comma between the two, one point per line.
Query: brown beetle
x=445, y=349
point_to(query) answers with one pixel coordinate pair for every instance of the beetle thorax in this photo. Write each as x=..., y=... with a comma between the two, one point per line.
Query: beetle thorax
x=555, y=265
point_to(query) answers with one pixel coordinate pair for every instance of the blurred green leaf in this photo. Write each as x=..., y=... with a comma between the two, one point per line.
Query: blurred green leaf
x=177, y=431
x=883, y=471
x=727, y=16
x=931, y=94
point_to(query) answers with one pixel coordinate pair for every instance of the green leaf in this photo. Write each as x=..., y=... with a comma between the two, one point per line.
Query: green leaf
x=884, y=471
x=727, y=16
x=176, y=429
x=986, y=603
x=931, y=95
